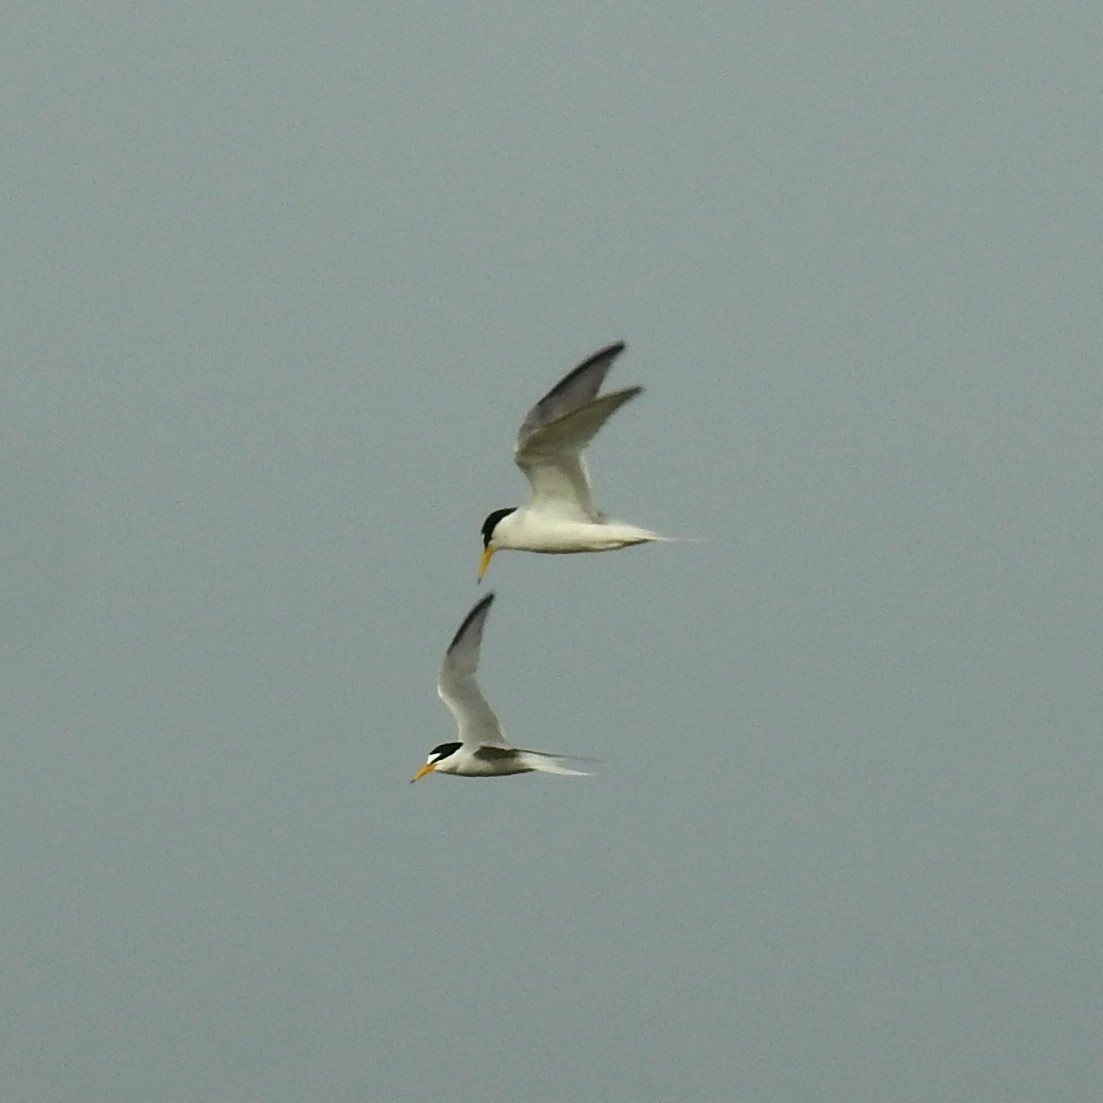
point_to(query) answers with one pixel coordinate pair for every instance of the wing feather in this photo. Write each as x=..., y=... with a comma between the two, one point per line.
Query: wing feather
x=575, y=389
x=550, y=455
x=457, y=684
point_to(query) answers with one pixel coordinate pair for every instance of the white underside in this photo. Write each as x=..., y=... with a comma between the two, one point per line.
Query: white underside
x=465, y=764
x=536, y=532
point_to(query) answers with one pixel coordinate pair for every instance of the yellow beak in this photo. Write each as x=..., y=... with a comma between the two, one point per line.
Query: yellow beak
x=488, y=554
x=429, y=767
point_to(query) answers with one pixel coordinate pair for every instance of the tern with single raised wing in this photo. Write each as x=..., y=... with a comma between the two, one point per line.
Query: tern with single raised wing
x=481, y=750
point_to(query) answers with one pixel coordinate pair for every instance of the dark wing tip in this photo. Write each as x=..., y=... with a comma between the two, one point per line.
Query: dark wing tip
x=592, y=371
x=477, y=609
x=615, y=349
x=609, y=353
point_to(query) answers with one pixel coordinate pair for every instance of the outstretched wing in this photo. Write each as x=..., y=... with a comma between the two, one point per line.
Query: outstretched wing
x=575, y=389
x=557, y=431
x=457, y=684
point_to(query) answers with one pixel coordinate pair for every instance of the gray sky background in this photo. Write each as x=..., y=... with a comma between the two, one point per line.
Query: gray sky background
x=280, y=282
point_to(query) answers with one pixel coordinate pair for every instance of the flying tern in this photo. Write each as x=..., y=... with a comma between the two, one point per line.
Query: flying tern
x=560, y=515
x=481, y=751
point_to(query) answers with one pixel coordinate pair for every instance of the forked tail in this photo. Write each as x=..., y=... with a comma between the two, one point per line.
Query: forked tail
x=550, y=764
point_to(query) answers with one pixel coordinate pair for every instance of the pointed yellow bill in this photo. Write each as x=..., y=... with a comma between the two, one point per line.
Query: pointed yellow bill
x=488, y=554
x=428, y=768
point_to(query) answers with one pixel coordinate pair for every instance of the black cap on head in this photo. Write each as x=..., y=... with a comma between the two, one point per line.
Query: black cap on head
x=492, y=520
x=445, y=750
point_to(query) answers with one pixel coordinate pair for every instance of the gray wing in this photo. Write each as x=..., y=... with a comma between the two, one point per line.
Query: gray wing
x=575, y=389
x=557, y=431
x=457, y=685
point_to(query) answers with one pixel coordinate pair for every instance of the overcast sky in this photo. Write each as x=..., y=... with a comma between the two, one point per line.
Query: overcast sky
x=279, y=283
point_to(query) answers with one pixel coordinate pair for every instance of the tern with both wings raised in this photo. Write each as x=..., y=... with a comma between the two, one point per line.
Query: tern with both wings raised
x=481, y=750
x=560, y=515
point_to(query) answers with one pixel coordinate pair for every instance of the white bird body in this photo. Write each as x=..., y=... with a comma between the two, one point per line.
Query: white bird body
x=481, y=750
x=560, y=516
x=524, y=531
x=489, y=761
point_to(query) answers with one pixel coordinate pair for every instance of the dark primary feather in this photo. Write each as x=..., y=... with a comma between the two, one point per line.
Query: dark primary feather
x=475, y=612
x=576, y=388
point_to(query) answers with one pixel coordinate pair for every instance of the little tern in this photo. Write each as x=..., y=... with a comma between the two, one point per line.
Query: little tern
x=481, y=750
x=560, y=516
